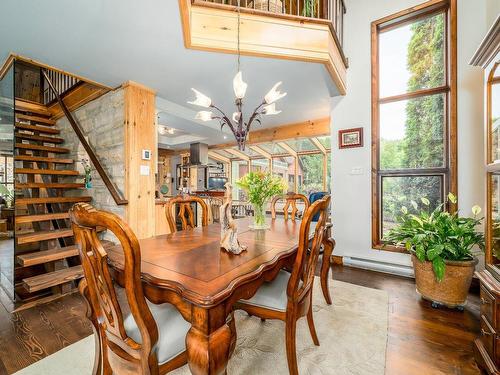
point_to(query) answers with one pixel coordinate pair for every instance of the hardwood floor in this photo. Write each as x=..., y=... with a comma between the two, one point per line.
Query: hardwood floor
x=422, y=340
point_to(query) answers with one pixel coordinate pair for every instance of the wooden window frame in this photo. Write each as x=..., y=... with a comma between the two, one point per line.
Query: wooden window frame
x=449, y=89
x=492, y=167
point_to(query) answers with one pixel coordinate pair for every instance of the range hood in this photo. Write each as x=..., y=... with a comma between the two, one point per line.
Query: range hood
x=198, y=153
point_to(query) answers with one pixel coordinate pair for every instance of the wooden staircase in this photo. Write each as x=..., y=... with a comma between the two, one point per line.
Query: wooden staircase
x=46, y=255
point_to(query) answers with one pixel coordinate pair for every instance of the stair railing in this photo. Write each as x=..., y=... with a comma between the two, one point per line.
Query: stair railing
x=115, y=193
x=62, y=82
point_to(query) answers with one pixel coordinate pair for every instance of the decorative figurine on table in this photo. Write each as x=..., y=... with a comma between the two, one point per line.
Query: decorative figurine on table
x=87, y=168
x=228, y=229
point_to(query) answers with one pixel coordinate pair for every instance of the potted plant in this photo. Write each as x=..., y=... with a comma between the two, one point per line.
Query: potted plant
x=441, y=246
x=310, y=8
x=7, y=195
x=261, y=187
x=87, y=169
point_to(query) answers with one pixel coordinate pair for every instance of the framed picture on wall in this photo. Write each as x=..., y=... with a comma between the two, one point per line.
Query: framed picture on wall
x=349, y=138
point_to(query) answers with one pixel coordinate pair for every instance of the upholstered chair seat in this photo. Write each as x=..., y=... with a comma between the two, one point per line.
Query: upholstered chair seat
x=272, y=295
x=172, y=330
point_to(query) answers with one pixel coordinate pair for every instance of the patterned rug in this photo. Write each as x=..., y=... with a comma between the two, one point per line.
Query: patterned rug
x=352, y=333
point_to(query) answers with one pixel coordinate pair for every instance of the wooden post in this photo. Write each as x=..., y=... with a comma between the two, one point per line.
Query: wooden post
x=140, y=134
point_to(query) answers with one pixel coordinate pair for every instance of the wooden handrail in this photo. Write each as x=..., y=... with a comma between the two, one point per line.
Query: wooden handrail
x=115, y=193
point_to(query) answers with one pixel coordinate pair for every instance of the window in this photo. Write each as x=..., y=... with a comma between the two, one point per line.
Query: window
x=284, y=167
x=413, y=106
x=261, y=165
x=311, y=167
x=239, y=168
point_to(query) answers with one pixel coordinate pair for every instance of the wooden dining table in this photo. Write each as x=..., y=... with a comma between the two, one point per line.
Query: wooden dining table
x=189, y=270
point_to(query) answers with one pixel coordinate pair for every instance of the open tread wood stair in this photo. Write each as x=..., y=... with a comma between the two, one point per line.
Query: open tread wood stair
x=46, y=255
x=37, y=129
x=36, y=119
x=44, y=200
x=21, y=219
x=44, y=235
x=50, y=279
x=42, y=159
x=61, y=172
x=54, y=185
x=55, y=150
x=40, y=257
x=39, y=138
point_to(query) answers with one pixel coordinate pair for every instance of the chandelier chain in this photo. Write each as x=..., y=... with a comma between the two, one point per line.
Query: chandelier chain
x=238, y=35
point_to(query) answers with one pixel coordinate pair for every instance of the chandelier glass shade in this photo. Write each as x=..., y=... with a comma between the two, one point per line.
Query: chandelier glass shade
x=239, y=127
x=236, y=122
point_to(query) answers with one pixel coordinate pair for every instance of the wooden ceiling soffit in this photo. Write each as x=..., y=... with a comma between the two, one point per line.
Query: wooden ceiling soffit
x=212, y=28
x=304, y=129
x=77, y=97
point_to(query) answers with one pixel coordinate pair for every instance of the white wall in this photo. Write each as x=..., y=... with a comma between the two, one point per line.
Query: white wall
x=351, y=194
x=492, y=11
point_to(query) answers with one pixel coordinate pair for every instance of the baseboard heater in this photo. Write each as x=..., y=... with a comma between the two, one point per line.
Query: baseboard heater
x=395, y=269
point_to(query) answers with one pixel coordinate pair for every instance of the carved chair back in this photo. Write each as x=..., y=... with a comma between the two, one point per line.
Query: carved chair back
x=215, y=205
x=101, y=293
x=291, y=202
x=302, y=277
x=186, y=214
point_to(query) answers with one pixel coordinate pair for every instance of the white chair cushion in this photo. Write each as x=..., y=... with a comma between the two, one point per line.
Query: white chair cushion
x=272, y=295
x=172, y=330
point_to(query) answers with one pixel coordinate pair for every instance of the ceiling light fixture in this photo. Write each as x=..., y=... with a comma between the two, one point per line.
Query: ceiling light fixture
x=236, y=122
x=165, y=130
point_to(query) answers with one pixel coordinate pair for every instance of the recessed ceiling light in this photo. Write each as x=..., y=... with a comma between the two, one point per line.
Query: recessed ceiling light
x=225, y=137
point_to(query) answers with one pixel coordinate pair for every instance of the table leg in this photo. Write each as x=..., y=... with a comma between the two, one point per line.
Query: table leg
x=209, y=341
x=328, y=245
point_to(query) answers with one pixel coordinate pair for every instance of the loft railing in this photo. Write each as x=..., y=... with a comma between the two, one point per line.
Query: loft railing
x=115, y=193
x=330, y=10
x=61, y=82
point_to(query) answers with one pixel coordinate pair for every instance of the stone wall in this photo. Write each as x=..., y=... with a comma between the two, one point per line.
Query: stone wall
x=102, y=123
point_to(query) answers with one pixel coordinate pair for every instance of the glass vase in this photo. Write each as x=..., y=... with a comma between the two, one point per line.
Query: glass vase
x=259, y=219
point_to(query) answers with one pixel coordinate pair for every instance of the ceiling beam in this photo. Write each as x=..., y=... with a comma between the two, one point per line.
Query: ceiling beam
x=238, y=154
x=318, y=144
x=261, y=152
x=216, y=156
x=304, y=129
x=290, y=150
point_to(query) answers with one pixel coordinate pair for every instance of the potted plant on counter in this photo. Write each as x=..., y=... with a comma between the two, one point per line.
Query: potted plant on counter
x=440, y=244
x=261, y=187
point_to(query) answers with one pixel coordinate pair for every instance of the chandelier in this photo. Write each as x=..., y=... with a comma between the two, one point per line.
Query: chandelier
x=239, y=127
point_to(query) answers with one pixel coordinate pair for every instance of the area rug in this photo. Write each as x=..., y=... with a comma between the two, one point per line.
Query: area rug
x=352, y=333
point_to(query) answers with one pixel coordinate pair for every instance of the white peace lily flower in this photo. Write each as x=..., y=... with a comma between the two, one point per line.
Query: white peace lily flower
x=414, y=204
x=204, y=116
x=452, y=198
x=271, y=109
x=476, y=210
x=240, y=87
x=201, y=100
x=425, y=201
x=274, y=95
x=404, y=210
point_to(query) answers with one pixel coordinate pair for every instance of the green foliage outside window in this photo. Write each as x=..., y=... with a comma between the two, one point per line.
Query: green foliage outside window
x=423, y=144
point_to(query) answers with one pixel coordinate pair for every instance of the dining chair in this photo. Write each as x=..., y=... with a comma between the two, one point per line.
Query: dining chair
x=291, y=202
x=289, y=296
x=215, y=205
x=132, y=334
x=186, y=214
